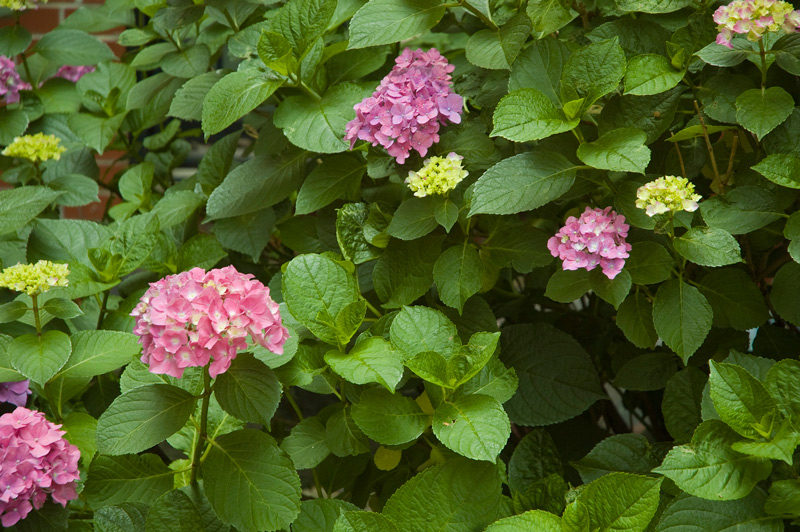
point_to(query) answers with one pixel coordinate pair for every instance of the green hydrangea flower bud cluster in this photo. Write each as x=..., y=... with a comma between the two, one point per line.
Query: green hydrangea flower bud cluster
x=35, y=148
x=668, y=193
x=439, y=175
x=34, y=278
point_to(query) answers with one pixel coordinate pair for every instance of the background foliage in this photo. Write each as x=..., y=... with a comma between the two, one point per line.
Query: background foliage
x=443, y=371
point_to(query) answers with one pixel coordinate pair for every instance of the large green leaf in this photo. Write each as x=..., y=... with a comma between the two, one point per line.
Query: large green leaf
x=629, y=453
x=250, y=482
x=783, y=384
x=593, y=71
x=651, y=74
x=319, y=124
x=781, y=168
x=372, y=360
x=458, y=273
x=72, y=47
x=539, y=67
x=234, y=96
x=682, y=317
x=127, y=478
x=306, y=444
x=389, y=418
x=742, y=401
x=302, y=22
x=709, y=468
x=143, y=417
x=497, y=49
x=98, y=352
x=389, y=21
x=359, y=521
x=522, y=183
x=527, y=114
x=534, y=458
x=681, y=404
x=174, y=512
x=557, y=380
x=736, y=300
x=475, y=426
x=549, y=15
x=620, y=150
x=785, y=295
x=743, y=209
x=343, y=436
x=404, y=271
x=414, y=218
x=39, y=357
x=18, y=206
x=419, y=329
x=762, y=110
x=337, y=177
x=708, y=246
x=693, y=514
x=635, y=319
x=248, y=390
x=538, y=520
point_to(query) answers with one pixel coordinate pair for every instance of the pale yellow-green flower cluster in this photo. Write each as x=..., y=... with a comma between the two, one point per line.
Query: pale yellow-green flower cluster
x=21, y=5
x=668, y=193
x=439, y=175
x=35, y=148
x=34, y=278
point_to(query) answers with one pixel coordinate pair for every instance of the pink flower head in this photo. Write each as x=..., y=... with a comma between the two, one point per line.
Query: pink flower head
x=408, y=107
x=73, y=73
x=10, y=82
x=195, y=318
x=754, y=18
x=597, y=238
x=15, y=393
x=35, y=460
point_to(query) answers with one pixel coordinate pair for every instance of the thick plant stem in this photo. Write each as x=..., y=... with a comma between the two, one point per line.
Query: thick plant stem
x=708, y=141
x=201, y=438
x=763, y=54
x=36, y=320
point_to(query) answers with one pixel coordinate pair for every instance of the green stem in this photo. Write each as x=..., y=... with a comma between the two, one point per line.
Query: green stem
x=230, y=20
x=28, y=75
x=202, y=436
x=486, y=20
x=298, y=83
x=318, y=485
x=293, y=404
x=373, y=309
x=763, y=54
x=102, y=313
x=35, y=308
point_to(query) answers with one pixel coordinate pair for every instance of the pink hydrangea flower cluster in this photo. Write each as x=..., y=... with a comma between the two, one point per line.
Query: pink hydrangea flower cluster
x=15, y=393
x=408, y=107
x=754, y=17
x=35, y=460
x=73, y=73
x=596, y=238
x=10, y=82
x=194, y=317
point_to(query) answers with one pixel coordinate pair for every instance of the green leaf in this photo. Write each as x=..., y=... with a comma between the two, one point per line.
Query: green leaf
x=722, y=56
x=187, y=63
x=405, y=270
x=372, y=360
x=743, y=209
x=188, y=100
x=617, y=501
x=458, y=274
x=475, y=426
x=320, y=515
x=620, y=150
x=80, y=431
x=646, y=372
x=615, y=290
x=459, y=495
x=143, y=417
x=72, y=47
x=337, y=177
x=420, y=329
x=248, y=390
x=39, y=357
x=784, y=498
x=316, y=290
x=652, y=6
x=538, y=520
x=650, y=74
x=534, y=458
x=95, y=131
x=12, y=311
x=174, y=512
x=566, y=286
x=522, y=247
x=762, y=110
x=306, y=444
x=127, y=478
x=389, y=418
x=742, y=401
x=635, y=319
x=549, y=15
x=522, y=183
x=98, y=352
x=681, y=404
x=708, y=246
x=783, y=383
x=693, y=513
x=414, y=218
x=234, y=96
x=318, y=125
x=358, y=521
x=246, y=233
x=736, y=301
x=14, y=40
x=13, y=122
x=302, y=22
x=709, y=468
x=652, y=114
x=682, y=317
x=629, y=453
x=527, y=114
x=250, y=482
x=389, y=21
x=780, y=168
x=593, y=71
x=342, y=435
x=497, y=49
x=354, y=222
x=539, y=67
x=778, y=446
x=77, y=190
x=18, y=206
x=785, y=293
x=544, y=396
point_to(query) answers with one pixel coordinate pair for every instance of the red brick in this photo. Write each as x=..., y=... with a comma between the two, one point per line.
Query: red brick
x=39, y=20
x=93, y=211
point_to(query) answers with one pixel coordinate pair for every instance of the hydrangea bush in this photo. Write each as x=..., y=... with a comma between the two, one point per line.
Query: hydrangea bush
x=401, y=265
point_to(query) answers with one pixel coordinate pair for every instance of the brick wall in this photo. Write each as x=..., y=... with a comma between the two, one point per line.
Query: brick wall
x=42, y=20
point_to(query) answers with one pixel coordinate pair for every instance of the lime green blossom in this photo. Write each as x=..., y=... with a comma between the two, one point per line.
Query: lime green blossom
x=21, y=5
x=667, y=193
x=438, y=176
x=34, y=278
x=38, y=147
